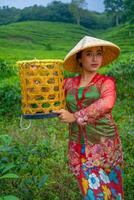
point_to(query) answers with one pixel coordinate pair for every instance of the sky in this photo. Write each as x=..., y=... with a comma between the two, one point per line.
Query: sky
x=96, y=5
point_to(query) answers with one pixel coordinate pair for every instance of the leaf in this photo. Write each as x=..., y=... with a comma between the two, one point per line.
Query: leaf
x=42, y=181
x=9, y=197
x=8, y=167
x=11, y=175
x=5, y=148
x=6, y=139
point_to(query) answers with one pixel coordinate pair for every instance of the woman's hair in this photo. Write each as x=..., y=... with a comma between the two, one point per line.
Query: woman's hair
x=78, y=56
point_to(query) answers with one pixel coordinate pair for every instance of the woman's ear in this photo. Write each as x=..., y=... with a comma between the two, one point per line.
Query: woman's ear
x=80, y=62
x=78, y=58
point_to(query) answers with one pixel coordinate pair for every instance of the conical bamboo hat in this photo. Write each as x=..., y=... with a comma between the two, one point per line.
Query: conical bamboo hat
x=110, y=52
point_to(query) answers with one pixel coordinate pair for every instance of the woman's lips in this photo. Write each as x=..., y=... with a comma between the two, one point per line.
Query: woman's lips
x=94, y=65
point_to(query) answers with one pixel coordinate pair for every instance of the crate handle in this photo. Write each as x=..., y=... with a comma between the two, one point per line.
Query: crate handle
x=21, y=124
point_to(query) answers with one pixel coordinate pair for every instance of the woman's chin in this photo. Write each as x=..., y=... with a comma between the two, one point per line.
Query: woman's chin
x=91, y=70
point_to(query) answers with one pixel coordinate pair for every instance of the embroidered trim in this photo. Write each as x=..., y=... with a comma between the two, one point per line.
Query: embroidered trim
x=81, y=117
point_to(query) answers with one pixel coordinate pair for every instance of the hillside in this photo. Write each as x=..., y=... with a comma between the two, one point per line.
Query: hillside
x=122, y=35
x=32, y=39
x=27, y=40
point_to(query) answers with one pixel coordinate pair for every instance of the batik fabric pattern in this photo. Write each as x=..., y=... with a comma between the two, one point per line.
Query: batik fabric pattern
x=94, y=149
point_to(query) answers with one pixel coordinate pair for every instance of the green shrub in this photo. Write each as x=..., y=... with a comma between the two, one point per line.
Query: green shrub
x=123, y=72
x=39, y=155
x=6, y=166
x=6, y=69
x=10, y=96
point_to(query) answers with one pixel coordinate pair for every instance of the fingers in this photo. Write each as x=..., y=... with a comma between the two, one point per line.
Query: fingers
x=59, y=111
x=61, y=115
x=63, y=121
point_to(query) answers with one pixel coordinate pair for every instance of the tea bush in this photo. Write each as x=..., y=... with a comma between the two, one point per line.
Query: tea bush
x=123, y=112
x=10, y=96
x=6, y=69
x=39, y=155
x=9, y=89
x=40, y=160
x=123, y=72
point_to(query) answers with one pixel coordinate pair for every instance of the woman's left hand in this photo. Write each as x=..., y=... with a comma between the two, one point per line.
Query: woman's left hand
x=66, y=116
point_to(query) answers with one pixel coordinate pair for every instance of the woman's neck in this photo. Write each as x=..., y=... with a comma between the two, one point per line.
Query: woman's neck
x=86, y=76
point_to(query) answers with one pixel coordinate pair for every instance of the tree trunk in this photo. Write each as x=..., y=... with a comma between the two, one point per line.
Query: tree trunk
x=78, y=20
x=117, y=19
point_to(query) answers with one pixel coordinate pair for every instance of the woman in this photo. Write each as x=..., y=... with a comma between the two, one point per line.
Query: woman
x=95, y=151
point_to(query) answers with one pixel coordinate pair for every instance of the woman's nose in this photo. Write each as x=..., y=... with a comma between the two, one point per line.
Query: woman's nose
x=94, y=57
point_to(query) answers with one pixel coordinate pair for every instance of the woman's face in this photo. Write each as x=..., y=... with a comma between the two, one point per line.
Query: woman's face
x=91, y=59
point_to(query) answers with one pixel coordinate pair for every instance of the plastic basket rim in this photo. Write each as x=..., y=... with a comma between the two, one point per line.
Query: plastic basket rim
x=39, y=61
x=40, y=115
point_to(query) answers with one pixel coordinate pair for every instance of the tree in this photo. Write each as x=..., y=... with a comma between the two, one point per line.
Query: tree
x=58, y=11
x=8, y=15
x=129, y=10
x=114, y=7
x=128, y=13
x=76, y=7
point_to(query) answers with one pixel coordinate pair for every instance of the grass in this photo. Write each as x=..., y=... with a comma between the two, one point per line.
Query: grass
x=27, y=40
x=43, y=40
x=121, y=36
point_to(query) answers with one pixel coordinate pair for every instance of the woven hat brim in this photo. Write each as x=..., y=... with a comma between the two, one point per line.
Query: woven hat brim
x=111, y=52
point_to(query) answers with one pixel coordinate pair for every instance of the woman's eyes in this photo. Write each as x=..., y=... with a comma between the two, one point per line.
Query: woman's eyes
x=89, y=54
x=99, y=54
x=94, y=54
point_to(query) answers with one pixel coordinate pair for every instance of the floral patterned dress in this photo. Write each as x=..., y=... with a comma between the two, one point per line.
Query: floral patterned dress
x=94, y=149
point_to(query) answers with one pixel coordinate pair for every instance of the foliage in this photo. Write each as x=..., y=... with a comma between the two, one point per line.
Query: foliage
x=74, y=12
x=9, y=197
x=9, y=89
x=5, y=167
x=38, y=156
x=122, y=72
x=41, y=162
x=9, y=96
x=29, y=40
x=121, y=36
x=113, y=5
x=56, y=11
x=96, y=20
x=8, y=15
x=128, y=8
x=6, y=69
x=76, y=9
x=114, y=8
x=123, y=116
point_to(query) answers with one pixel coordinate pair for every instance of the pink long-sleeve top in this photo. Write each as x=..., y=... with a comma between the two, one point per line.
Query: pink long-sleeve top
x=92, y=107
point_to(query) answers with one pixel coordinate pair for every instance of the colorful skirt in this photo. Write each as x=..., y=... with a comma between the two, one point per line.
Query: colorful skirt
x=98, y=183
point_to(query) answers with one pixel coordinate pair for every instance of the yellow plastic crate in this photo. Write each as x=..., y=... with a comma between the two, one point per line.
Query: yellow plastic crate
x=41, y=87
